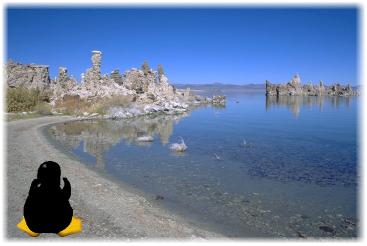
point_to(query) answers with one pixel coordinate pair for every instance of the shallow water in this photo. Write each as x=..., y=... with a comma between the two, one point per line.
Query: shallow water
x=259, y=167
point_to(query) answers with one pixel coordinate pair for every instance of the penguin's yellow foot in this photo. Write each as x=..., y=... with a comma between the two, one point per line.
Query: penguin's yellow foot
x=22, y=225
x=75, y=226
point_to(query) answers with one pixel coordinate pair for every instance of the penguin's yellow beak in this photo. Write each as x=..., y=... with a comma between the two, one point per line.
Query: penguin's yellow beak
x=74, y=227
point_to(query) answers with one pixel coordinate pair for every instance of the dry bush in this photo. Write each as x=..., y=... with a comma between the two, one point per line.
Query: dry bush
x=72, y=105
x=102, y=105
x=43, y=109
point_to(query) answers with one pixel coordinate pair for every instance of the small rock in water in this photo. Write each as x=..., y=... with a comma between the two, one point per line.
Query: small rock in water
x=159, y=197
x=245, y=201
x=245, y=144
x=326, y=229
x=217, y=157
x=217, y=193
x=303, y=216
x=145, y=139
x=349, y=221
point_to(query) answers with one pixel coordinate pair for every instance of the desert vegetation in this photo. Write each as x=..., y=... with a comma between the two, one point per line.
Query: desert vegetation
x=21, y=99
x=74, y=105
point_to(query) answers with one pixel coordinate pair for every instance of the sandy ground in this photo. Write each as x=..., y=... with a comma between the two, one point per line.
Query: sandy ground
x=108, y=209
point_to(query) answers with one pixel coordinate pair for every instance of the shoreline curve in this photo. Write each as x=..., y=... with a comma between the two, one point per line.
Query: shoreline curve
x=108, y=210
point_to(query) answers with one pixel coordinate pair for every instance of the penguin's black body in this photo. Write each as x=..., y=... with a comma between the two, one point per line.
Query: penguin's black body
x=47, y=208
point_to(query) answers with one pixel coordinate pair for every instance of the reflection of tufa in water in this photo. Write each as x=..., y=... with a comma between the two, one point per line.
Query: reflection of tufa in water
x=179, y=147
x=295, y=103
x=98, y=136
x=245, y=144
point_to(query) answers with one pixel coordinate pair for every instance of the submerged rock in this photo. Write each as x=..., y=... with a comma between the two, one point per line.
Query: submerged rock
x=159, y=197
x=145, y=139
x=327, y=229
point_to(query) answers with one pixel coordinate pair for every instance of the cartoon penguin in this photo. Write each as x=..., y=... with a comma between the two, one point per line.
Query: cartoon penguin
x=47, y=208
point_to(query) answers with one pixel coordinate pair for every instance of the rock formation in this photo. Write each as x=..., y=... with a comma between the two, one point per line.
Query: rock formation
x=63, y=83
x=116, y=77
x=219, y=100
x=29, y=76
x=92, y=77
x=148, y=91
x=295, y=88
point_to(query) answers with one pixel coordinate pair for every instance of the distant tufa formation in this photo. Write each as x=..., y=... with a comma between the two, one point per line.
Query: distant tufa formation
x=295, y=88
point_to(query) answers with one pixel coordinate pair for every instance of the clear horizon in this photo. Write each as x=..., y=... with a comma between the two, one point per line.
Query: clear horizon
x=194, y=45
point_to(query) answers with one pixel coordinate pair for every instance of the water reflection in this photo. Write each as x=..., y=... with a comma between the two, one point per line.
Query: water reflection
x=291, y=177
x=295, y=103
x=98, y=136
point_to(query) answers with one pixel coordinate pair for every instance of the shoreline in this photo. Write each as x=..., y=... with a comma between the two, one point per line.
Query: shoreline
x=127, y=215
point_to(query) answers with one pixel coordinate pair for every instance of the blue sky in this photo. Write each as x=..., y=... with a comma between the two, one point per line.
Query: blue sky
x=195, y=45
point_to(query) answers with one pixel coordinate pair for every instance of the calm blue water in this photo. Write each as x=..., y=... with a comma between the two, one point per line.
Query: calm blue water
x=296, y=176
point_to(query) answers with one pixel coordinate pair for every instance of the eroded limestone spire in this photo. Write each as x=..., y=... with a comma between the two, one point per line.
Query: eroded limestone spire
x=96, y=61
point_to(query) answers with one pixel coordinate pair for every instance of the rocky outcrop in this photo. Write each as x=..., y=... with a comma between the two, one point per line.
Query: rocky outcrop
x=31, y=76
x=150, y=91
x=63, y=83
x=218, y=100
x=136, y=80
x=339, y=90
x=116, y=77
x=295, y=88
x=93, y=78
x=147, y=91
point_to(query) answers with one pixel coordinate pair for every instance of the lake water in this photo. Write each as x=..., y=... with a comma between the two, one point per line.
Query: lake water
x=258, y=167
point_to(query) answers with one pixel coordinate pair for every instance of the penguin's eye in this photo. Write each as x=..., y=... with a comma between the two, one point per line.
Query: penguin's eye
x=44, y=165
x=39, y=185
